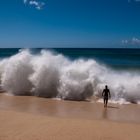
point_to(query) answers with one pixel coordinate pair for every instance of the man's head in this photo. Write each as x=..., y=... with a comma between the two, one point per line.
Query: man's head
x=106, y=87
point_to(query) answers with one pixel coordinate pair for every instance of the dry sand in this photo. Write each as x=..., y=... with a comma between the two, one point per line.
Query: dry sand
x=32, y=118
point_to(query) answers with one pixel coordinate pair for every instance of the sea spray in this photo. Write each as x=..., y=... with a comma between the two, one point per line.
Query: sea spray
x=76, y=82
x=15, y=76
x=48, y=74
x=3, y=63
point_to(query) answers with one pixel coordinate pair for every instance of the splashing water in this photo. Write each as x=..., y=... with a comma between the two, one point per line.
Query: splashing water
x=53, y=75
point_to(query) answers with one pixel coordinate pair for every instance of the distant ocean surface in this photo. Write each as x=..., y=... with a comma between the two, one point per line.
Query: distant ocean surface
x=71, y=73
x=115, y=58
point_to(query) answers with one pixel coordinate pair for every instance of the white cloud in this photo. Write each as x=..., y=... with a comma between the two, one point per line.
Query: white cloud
x=124, y=41
x=35, y=3
x=25, y=1
x=133, y=41
x=38, y=5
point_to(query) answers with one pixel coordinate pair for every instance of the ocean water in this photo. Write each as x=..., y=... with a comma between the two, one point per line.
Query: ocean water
x=72, y=73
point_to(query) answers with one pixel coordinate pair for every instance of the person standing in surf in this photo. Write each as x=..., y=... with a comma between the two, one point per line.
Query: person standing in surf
x=106, y=95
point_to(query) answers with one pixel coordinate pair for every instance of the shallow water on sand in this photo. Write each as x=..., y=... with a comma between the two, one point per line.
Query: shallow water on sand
x=71, y=109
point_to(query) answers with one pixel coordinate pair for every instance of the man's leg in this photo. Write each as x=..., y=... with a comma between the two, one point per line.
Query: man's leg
x=106, y=102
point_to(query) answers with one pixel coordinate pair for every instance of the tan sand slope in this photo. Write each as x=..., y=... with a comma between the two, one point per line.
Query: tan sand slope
x=25, y=126
x=71, y=109
x=32, y=118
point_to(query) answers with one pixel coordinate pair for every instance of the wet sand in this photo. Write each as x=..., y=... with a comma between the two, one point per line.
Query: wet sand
x=33, y=118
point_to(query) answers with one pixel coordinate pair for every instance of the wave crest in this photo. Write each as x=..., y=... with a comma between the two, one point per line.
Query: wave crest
x=48, y=74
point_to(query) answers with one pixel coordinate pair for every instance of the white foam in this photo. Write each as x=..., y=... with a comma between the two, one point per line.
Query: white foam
x=53, y=75
x=14, y=77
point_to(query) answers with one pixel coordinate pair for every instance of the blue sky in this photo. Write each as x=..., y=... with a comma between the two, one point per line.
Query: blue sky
x=69, y=23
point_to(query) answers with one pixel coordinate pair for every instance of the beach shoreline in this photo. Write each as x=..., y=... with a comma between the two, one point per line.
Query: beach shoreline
x=33, y=118
x=20, y=126
x=89, y=110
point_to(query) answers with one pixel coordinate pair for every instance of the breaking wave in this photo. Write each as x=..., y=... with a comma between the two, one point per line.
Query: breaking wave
x=49, y=74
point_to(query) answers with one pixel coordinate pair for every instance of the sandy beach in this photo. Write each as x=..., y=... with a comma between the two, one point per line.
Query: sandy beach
x=33, y=118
